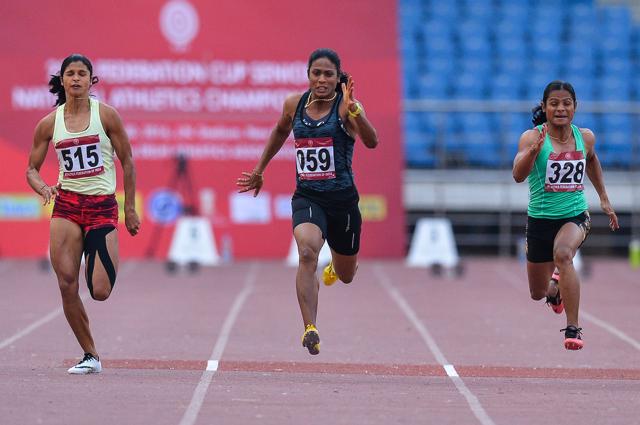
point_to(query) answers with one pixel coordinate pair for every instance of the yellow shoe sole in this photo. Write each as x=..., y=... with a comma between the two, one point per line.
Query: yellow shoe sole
x=329, y=276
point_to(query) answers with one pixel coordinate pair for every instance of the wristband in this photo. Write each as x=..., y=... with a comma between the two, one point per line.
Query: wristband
x=43, y=186
x=357, y=112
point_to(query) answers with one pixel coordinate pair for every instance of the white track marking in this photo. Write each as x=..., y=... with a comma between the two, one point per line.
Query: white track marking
x=472, y=400
x=191, y=414
x=84, y=296
x=608, y=327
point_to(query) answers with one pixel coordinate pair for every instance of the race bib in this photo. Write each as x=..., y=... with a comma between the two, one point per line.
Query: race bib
x=314, y=159
x=80, y=157
x=565, y=172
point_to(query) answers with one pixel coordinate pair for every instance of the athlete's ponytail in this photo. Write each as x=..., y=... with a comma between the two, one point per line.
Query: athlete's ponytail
x=343, y=79
x=55, y=87
x=538, y=116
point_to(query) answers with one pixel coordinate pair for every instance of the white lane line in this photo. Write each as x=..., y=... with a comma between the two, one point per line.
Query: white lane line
x=191, y=414
x=472, y=400
x=451, y=371
x=84, y=296
x=608, y=327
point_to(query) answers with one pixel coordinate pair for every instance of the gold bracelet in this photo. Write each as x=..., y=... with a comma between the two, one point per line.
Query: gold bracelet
x=357, y=112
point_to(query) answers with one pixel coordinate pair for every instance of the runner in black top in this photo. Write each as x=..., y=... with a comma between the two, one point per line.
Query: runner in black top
x=325, y=121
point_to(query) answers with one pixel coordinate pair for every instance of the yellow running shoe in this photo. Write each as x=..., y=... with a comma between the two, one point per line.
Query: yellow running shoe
x=329, y=276
x=311, y=339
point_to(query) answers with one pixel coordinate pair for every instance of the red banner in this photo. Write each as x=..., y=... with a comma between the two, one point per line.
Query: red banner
x=203, y=81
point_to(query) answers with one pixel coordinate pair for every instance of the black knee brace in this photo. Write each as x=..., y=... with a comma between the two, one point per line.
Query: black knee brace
x=96, y=241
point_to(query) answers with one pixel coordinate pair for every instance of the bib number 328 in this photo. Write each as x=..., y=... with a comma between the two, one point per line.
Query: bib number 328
x=565, y=172
x=315, y=159
x=80, y=157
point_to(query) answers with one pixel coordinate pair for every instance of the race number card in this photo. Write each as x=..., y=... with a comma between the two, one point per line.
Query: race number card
x=80, y=157
x=315, y=159
x=565, y=172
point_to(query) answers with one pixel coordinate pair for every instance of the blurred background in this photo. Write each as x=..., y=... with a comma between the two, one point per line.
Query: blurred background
x=449, y=85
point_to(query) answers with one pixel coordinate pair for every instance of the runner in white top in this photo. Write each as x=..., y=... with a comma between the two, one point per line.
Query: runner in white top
x=85, y=134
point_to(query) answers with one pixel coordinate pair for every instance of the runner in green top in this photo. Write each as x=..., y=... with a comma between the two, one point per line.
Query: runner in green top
x=555, y=156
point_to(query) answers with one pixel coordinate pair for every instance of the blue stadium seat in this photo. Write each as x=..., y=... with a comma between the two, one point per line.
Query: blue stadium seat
x=440, y=65
x=476, y=65
x=516, y=12
x=469, y=86
x=419, y=141
x=615, y=142
x=475, y=47
x=617, y=122
x=443, y=10
x=511, y=47
x=583, y=86
x=518, y=67
x=505, y=86
x=614, y=88
x=587, y=120
x=616, y=68
x=479, y=9
x=433, y=86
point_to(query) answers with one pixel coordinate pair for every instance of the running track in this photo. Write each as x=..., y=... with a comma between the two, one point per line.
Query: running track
x=399, y=346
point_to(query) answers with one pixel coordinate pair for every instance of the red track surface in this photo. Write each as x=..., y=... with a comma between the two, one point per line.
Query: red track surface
x=157, y=332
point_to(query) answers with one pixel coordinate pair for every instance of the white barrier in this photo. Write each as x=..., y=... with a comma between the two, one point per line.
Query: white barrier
x=433, y=244
x=193, y=242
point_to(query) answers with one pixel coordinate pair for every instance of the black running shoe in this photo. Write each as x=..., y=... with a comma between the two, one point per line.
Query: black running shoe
x=572, y=338
x=555, y=302
x=311, y=339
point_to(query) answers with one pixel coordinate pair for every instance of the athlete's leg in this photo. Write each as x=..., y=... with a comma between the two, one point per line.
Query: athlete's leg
x=309, y=239
x=565, y=246
x=345, y=266
x=538, y=274
x=66, y=252
x=343, y=236
x=101, y=261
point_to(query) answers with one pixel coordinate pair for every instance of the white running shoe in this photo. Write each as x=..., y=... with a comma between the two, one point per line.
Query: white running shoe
x=88, y=364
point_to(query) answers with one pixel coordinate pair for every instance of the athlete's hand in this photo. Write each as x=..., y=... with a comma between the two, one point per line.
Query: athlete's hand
x=49, y=193
x=348, y=100
x=608, y=210
x=536, y=147
x=132, y=221
x=250, y=181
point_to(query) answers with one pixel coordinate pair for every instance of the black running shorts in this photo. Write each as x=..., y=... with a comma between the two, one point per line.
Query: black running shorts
x=541, y=233
x=340, y=227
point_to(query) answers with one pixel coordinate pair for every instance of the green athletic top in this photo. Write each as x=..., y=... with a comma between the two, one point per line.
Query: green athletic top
x=556, y=182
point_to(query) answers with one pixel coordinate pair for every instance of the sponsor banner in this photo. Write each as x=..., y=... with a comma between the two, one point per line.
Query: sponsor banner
x=199, y=86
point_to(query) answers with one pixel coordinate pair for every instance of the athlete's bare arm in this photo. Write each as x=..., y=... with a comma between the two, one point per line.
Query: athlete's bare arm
x=254, y=180
x=120, y=141
x=594, y=172
x=41, y=138
x=359, y=124
x=529, y=147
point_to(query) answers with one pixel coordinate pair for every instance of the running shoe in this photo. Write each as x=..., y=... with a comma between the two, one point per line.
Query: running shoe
x=572, y=338
x=555, y=302
x=89, y=364
x=311, y=339
x=329, y=276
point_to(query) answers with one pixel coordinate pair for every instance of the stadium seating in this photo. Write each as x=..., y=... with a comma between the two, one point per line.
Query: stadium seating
x=507, y=51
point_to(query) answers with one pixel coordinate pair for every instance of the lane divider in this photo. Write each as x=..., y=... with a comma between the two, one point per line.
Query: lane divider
x=473, y=402
x=191, y=414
